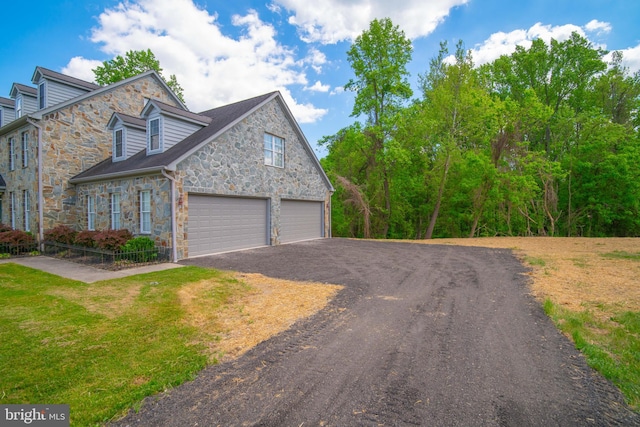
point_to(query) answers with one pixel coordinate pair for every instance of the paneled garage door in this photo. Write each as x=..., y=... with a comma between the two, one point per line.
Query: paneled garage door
x=220, y=224
x=300, y=220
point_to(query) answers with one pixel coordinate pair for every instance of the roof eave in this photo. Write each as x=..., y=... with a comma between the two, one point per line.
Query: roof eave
x=116, y=175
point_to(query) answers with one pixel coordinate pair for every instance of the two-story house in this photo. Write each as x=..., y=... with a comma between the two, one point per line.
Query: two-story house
x=130, y=155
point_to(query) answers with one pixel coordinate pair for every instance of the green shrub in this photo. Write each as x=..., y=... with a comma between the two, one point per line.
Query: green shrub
x=139, y=249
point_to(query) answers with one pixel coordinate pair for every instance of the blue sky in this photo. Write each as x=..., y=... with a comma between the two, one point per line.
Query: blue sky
x=223, y=51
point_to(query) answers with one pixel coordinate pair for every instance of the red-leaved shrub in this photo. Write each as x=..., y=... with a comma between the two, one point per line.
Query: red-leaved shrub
x=86, y=238
x=112, y=240
x=61, y=234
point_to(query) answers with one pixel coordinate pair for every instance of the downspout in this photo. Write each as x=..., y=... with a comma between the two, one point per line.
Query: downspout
x=174, y=231
x=40, y=196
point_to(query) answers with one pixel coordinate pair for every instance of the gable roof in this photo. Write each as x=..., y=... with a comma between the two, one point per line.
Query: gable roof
x=53, y=75
x=128, y=120
x=172, y=111
x=8, y=103
x=222, y=119
x=28, y=90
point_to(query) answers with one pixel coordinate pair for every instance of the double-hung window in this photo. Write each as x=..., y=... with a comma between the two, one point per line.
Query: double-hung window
x=115, y=211
x=273, y=150
x=18, y=106
x=27, y=210
x=91, y=212
x=25, y=149
x=154, y=135
x=145, y=212
x=118, y=147
x=12, y=154
x=12, y=209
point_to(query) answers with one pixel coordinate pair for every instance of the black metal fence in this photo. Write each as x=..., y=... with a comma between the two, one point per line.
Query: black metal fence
x=10, y=250
x=105, y=259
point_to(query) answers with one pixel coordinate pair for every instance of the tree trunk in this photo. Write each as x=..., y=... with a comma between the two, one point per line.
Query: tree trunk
x=436, y=209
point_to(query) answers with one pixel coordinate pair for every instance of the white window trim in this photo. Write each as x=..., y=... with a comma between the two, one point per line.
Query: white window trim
x=18, y=106
x=145, y=212
x=270, y=152
x=25, y=149
x=115, y=211
x=91, y=213
x=42, y=95
x=12, y=154
x=124, y=149
x=27, y=210
x=159, y=149
x=1, y=117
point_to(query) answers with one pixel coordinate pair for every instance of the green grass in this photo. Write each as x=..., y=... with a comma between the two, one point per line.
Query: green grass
x=612, y=345
x=535, y=261
x=622, y=255
x=101, y=347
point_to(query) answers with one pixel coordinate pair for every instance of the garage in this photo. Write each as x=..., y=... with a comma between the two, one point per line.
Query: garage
x=301, y=220
x=222, y=224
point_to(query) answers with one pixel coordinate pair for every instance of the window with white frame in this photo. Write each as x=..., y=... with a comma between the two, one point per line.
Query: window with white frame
x=12, y=153
x=41, y=96
x=154, y=135
x=26, y=204
x=145, y=212
x=115, y=211
x=18, y=106
x=1, y=112
x=273, y=150
x=12, y=209
x=25, y=149
x=91, y=213
x=118, y=143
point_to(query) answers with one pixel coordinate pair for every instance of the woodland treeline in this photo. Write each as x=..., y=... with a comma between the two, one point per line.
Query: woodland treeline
x=544, y=141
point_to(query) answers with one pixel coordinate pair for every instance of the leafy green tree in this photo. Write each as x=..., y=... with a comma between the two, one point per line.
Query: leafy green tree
x=133, y=63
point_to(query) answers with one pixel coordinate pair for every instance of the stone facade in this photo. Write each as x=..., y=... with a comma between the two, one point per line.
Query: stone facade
x=234, y=165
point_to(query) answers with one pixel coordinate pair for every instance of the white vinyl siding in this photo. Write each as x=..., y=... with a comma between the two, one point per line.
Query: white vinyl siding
x=91, y=213
x=29, y=104
x=135, y=141
x=115, y=211
x=26, y=204
x=145, y=212
x=273, y=150
x=174, y=131
x=58, y=92
x=25, y=149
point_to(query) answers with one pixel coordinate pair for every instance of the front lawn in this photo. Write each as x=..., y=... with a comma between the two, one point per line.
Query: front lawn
x=101, y=347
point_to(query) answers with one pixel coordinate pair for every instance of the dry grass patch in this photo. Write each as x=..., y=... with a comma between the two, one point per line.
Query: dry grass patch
x=268, y=308
x=110, y=300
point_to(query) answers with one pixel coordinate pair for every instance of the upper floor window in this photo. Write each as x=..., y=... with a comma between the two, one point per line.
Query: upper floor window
x=145, y=212
x=91, y=213
x=115, y=211
x=18, y=106
x=118, y=143
x=25, y=149
x=42, y=102
x=273, y=150
x=1, y=124
x=154, y=135
x=12, y=154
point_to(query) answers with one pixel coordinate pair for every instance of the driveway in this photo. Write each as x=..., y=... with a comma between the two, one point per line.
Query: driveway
x=421, y=335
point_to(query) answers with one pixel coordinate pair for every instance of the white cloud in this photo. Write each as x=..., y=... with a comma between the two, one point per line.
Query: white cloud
x=630, y=58
x=318, y=87
x=332, y=21
x=213, y=68
x=317, y=59
x=501, y=43
x=80, y=68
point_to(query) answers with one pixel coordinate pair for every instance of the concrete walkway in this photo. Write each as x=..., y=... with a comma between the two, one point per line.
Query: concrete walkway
x=80, y=272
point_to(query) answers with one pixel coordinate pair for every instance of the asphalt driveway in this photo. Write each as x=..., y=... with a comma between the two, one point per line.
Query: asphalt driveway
x=421, y=335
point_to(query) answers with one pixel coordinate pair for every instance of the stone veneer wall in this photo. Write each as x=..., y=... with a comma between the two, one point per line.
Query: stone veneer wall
x=21, y=178
x=76, y=138
x=233, y=164
x=129, y=190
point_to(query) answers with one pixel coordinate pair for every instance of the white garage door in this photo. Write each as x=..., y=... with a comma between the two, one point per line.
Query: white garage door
x=221, y=224
x=300, y=220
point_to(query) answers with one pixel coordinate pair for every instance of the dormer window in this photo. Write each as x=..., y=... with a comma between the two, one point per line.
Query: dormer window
x=154, y=135
x=18, y=106
x=118, y=144
x=42, y=102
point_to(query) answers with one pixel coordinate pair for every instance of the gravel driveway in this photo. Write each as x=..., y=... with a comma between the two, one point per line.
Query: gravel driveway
x=421, y=335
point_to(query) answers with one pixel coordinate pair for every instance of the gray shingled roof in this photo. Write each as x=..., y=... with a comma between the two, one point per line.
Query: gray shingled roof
x=25, y=89
x=129, y=120
x=6, y=102
x=221, y=117
x=53, y=75
x=178, y=112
